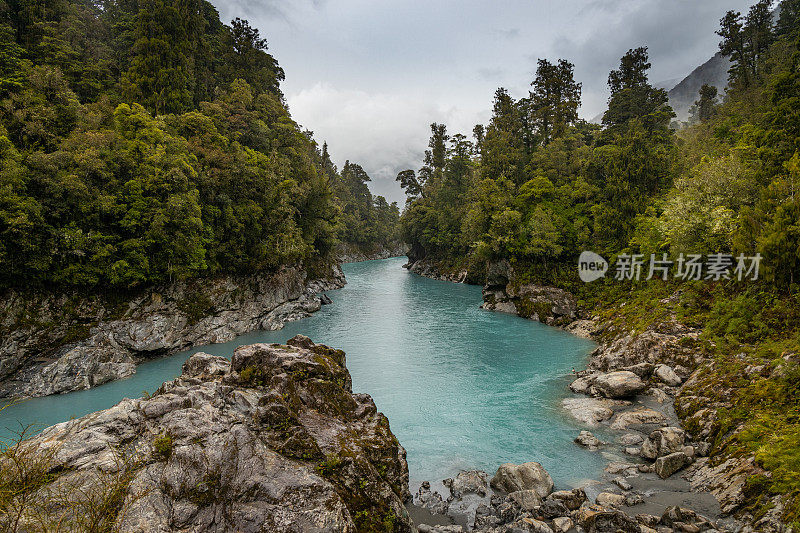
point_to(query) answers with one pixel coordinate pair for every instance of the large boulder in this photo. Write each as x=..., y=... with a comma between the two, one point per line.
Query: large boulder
x=273, y=440
x=590, y=411
x=669, y=464
x=573, y=499
x=511, y=478
x=667, y=375
x=620, y=384
x=638, y=417
x=468, y=482
x=663, y=441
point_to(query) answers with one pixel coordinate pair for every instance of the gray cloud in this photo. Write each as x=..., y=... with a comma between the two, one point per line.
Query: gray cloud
x=510, y=34
x=369, y=77
x=679, y=35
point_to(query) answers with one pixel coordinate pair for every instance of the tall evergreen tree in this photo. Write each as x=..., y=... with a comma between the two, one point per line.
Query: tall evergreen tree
x=554, y=100
x=703, y=108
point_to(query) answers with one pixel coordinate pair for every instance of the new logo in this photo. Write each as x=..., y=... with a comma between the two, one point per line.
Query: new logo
x=591, y=266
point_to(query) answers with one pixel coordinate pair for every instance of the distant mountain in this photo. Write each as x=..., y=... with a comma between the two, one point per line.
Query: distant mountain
x=684, y=94
x=667, y=84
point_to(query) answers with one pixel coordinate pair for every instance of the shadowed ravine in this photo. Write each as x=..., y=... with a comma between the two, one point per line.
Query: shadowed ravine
x=462, y=387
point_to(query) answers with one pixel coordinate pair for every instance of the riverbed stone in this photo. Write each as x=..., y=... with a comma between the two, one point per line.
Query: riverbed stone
x=620, y=384
x=468, y=482
x=667, y=375
x=609, y=499
x=663, y=441
x=511, y=478
x=562, y=524
x=631, y=439
x=622, y=483
x=528, y=500
x=587, y=440
x=605, y=521
x=590, y=411
x=669, y=464
x=571, y=498
x=642, y=415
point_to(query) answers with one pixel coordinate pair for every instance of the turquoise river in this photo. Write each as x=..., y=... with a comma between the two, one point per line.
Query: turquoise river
x=463, y=388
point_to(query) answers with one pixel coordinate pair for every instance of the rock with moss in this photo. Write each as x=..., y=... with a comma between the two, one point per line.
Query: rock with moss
x=51, y=343
x=272, y=440
x=537, y=302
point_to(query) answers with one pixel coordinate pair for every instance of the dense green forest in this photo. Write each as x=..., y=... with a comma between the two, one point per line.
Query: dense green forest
x=539, y=185
x=536, y=186
x=143, y=141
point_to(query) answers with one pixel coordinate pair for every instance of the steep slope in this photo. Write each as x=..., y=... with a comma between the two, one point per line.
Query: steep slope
x=684, y=94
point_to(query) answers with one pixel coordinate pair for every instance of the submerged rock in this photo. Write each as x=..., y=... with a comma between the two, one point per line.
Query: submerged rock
x=273, y=440
x=588, y=440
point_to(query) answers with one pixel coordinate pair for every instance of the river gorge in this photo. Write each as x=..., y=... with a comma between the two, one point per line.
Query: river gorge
x=463, y=388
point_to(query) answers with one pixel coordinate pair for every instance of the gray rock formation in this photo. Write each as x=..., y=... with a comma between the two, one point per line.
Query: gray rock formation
x=78, y=342
x=667, y=375
x=586, y=439
x=544, y=304
x=351, y=254
x=663, y=441
x=511, y=478
x=620, y=384
x=667, y=465
x=273, y=440
x=428, y=269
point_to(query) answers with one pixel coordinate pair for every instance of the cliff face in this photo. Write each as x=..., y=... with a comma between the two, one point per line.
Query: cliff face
x=59, y=343
x=272, y=440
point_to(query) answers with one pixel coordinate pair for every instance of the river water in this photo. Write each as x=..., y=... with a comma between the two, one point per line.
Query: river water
x=463, y=388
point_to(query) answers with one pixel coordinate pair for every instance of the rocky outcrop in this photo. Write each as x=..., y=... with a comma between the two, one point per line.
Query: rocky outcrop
x=429, y=269
x=549, y=305
x=59, y=343
x=527, y=510
x=346, y=253
x=620, y=384
x=272, y=440
x=669, y=343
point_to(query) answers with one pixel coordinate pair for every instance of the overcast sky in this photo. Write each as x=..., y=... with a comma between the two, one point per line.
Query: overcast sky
x=370, y=76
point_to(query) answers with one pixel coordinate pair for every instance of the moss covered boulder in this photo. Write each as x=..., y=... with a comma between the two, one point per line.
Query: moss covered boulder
x=272, y=440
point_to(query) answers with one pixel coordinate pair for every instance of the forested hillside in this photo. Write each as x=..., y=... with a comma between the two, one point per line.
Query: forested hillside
x=537, y=186
x=145, y=141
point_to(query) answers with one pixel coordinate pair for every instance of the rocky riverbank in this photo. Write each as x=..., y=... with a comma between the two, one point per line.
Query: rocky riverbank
x=661, y=462
x=430, y=269
x=352, y=254
x=51, y=343
x=272, y=440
